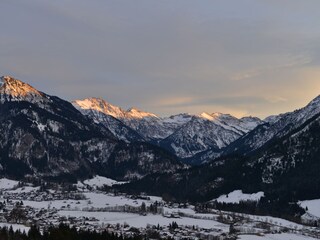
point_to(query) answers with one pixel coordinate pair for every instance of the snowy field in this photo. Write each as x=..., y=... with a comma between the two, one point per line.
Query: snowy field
x=96, y=209
x=283, y=236
x=73, y=208
x=7, y=184
x=25, y=190
x=140, y=221
x=313, y=206
x=93, y=200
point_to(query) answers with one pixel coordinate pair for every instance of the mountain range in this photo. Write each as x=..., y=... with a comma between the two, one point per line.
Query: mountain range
x=43, y=136
x=46, y=137
x=279, y=157
x=184, y=135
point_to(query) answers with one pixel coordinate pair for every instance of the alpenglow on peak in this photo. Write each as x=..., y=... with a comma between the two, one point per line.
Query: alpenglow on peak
x=99, y=104
x=12, y=89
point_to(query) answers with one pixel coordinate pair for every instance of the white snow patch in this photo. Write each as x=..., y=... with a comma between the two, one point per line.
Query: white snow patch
x=25, y=190
x=283, y=236
x=7, y=183
x=41, y=127
x=99, y=181
x=237, y=196
x=313, y=206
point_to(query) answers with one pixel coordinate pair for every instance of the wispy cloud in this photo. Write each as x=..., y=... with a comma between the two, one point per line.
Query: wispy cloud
x=297, y=61
x=275, y=99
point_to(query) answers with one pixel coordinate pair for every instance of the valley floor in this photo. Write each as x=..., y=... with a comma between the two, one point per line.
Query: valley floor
x=91, y=209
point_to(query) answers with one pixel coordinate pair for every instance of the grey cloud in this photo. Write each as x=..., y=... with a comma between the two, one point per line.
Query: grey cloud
x=144, y=52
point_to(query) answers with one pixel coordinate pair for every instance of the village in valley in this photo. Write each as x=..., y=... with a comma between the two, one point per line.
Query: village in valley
x=87, y=206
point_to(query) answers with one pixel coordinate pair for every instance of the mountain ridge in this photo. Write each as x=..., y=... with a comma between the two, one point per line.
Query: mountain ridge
x=274, y=127
x=172, y=132
x=46, y=137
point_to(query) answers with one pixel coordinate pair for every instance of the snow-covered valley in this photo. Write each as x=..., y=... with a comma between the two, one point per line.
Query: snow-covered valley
x=89, y=208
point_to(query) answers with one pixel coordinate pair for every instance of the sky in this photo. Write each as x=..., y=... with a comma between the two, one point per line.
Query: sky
x=243, y=57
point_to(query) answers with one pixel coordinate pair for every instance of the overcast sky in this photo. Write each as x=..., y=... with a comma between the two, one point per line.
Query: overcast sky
x=244, y=57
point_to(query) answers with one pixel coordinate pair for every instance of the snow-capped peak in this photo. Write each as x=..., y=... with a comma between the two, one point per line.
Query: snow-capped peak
x=302, y=114
x=136, y=113
x=216, y=116
x=207, y=116
x=230, y=122
x=178, y=118
x=12, y=89
x=100, y=105
x=211, y=117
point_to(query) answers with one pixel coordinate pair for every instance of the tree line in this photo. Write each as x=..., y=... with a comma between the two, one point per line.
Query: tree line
x=62, y=232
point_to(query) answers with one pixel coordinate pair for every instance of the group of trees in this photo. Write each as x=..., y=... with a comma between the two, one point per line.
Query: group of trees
x=18, y=214
x=266, y=206
x=153, y=208
x=63, y=232
x=173, y=226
